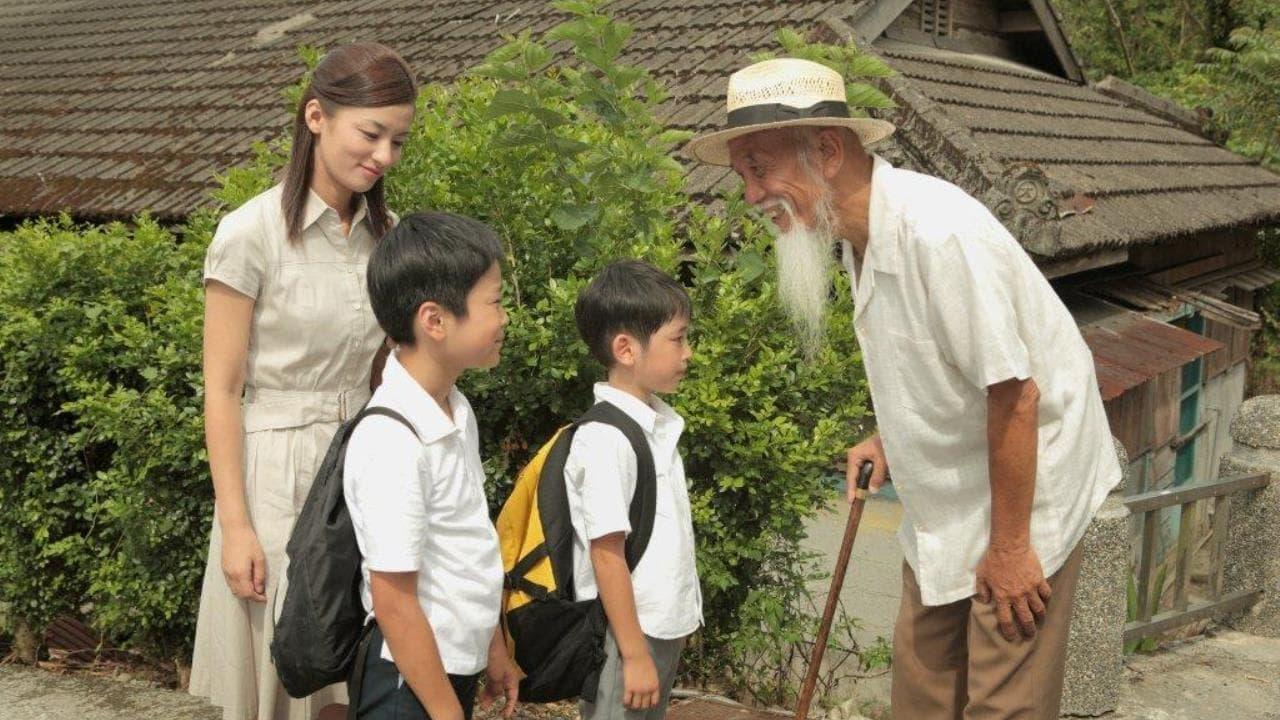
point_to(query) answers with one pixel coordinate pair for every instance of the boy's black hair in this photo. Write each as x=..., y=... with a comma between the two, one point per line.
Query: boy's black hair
x=627, y=296
x=428, y=257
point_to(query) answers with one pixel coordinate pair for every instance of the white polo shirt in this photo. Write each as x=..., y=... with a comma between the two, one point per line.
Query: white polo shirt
x=947, y=303
x=600, y=476
x=418, y=504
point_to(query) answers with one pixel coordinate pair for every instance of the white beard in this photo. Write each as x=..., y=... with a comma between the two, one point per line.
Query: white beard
x=805, y=259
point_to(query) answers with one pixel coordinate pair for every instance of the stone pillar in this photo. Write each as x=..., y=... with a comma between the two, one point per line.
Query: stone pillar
x=1095, y=648
x=1252, y=555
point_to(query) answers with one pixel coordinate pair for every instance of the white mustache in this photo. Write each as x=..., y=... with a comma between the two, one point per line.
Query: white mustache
x=768, y=207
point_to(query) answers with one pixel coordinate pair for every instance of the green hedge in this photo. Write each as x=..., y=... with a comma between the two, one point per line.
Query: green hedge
x=106, y=498
x=103, y=488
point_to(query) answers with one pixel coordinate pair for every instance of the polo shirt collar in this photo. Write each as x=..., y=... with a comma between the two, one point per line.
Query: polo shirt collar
x=316, y=208
x=419, y=408
x=646, y=416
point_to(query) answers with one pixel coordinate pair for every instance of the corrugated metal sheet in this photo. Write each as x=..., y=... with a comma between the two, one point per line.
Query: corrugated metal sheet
x=1246, y=276
x=1222, y=311
x=68, y=633
x=1138, y=293
x=1129, y=349
x=1146, y=295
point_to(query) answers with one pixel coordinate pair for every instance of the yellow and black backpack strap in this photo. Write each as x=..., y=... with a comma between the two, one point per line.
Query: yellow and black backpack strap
x=553, y=501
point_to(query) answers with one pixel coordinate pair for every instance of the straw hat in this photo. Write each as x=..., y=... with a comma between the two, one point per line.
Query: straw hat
x=785, y=92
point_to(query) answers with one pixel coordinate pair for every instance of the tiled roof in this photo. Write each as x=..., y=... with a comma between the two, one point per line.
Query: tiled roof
x=1140, y=176
x=109, y=108
x=112, y=107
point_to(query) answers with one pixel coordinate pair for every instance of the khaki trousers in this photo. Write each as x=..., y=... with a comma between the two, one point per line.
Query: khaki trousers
x=950, y=662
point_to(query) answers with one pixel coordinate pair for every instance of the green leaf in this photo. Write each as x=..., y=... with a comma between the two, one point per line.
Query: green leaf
x=867, y=66
x=673, y=137
x=500, y=71
x=566, y=147
x=572, y=217
x=863, y=96
x=750, y=264
x=509, y=102
x=575, y=7
x=576, y=32
x=520, y=136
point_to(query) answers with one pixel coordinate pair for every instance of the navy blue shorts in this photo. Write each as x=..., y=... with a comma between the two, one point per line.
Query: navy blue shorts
x=384, y=696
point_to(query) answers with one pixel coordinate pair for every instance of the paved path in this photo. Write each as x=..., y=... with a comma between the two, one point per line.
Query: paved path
x=873, y=584
x=32, y=694
x=1231, y=676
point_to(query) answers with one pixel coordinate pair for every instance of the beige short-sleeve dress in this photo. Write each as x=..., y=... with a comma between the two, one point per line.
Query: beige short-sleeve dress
x=311, y=345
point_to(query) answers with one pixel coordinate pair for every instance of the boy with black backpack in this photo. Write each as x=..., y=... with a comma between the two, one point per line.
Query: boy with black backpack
x=635, y=321
x=431, y=570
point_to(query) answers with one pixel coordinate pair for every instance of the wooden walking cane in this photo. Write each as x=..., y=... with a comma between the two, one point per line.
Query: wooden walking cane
x=833, y=597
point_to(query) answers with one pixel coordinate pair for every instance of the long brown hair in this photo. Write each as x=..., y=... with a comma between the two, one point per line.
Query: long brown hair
x=356, y=75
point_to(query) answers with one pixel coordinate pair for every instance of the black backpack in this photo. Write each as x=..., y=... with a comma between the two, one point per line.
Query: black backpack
x=322, y=620
x=556, y=639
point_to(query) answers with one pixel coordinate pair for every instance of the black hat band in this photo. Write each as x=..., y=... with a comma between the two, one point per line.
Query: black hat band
x=776, y=112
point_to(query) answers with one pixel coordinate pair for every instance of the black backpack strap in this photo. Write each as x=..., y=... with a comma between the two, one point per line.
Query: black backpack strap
x=645, y=501
x=355, y=682
x=349, y=429
x=385, y=412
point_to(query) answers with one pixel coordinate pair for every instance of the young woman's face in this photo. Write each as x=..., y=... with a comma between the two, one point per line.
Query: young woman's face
x=356, y=145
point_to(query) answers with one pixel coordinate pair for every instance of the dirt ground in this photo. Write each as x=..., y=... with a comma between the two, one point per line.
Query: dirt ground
x=1225, y=676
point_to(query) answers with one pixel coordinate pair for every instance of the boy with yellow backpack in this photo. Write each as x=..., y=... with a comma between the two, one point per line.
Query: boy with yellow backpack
x=597, y=537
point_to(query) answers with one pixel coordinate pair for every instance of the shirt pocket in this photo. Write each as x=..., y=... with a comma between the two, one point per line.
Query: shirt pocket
x=300, y=287
x=927, y=384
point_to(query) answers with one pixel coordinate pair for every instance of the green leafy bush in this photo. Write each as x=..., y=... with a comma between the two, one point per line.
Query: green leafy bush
x=567, y=160
x=104, y=488
x=45, y=511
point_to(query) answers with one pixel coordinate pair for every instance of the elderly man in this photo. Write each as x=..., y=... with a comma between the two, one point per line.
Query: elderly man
x=984, y=391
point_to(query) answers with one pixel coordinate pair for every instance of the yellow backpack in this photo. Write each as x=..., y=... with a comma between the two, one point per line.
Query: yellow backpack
x=556, y=639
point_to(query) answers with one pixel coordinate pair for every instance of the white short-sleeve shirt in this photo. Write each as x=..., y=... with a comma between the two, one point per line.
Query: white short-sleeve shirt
x=418, y=505
x=600, y=476
x=946, y=304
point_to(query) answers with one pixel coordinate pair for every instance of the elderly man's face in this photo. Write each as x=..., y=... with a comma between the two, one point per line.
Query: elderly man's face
x=784, y=183
x=769, y=163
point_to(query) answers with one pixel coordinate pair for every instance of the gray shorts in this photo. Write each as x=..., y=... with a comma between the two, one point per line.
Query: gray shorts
x=607, y=704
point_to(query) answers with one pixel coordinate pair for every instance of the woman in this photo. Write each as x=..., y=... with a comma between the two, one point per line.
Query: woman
x=289, y=343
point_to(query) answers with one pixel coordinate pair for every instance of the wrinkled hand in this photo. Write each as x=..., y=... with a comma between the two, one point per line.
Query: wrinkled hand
x=640, y=682
x=244, y=566
x=502, y=679
x=869, y=449
x=1013, y=580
